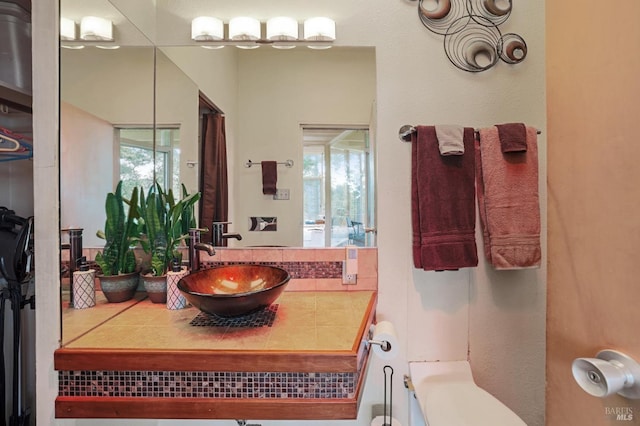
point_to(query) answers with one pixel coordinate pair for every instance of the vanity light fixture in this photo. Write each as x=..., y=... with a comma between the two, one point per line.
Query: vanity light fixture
x=94, y=28
x=320, y=29
x=67, y=29
x=244, y=28
x=245, y=32
x=282, y=29
x=68, y=34
x=207, y=28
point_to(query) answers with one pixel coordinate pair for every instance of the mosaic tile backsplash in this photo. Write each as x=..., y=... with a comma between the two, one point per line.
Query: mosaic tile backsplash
x=207, y=384
x=300, y=270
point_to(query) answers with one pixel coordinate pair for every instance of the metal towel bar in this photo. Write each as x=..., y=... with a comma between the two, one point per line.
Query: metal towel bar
x=288, y=163
x=407, y=130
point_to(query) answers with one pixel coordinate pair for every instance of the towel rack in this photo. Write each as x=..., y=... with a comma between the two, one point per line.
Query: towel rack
x=407, y=130
x=288, y=163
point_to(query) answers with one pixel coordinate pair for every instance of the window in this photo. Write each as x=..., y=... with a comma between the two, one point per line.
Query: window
x=336, y=177
x=136, y=165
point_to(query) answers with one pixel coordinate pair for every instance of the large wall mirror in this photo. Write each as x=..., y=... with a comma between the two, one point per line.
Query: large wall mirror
x=137, y=109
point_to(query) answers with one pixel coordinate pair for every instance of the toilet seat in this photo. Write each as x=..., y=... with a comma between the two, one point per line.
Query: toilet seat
x=463, y=404
x=448, y=396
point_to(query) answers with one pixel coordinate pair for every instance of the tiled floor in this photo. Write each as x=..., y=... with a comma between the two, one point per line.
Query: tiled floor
x=304, y=321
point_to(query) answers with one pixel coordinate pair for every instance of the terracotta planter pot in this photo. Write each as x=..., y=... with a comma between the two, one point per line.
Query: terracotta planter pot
x=119, y=288
x=156, y=287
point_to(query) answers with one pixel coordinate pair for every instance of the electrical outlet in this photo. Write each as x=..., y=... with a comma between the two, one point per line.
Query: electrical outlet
x=281, y=194
x=349, y=279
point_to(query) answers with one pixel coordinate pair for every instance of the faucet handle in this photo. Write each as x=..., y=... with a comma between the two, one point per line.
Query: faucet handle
x=198, y=230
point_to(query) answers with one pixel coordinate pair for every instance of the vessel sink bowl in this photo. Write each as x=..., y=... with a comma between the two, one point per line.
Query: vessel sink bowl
x=234, y=290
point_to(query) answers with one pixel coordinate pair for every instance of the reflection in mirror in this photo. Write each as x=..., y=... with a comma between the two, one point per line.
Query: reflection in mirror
x=102, y=91
x=267, y=95
x=271, y=97
x=133, y=22
x=337, y=174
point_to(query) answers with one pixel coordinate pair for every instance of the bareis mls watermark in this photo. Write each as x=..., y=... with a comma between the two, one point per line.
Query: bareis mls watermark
x=619, y=413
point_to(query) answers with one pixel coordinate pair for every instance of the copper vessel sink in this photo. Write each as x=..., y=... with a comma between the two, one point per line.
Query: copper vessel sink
x=234, y=290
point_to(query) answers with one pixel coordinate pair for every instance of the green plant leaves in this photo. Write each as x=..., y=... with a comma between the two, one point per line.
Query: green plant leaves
x=165, y=225
x=156, y=221
x=121, y=233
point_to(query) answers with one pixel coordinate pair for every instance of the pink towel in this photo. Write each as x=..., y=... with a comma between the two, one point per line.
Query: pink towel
x=269, y=177
x=507, y=188
x=442, y=203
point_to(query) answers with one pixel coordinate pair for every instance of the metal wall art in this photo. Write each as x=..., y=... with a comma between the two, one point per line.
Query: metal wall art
x=472, y=40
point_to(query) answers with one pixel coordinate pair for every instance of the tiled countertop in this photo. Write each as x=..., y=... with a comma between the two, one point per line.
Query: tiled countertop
x=313, y=321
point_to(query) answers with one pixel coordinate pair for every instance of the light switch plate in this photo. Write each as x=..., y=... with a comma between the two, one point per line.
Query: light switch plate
x=281, y=194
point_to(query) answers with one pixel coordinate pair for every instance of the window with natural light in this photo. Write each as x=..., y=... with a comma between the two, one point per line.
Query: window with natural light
x=337, y=173
x=137, y=157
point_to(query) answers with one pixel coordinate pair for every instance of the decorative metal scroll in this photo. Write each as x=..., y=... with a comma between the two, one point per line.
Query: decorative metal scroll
x=473, y=41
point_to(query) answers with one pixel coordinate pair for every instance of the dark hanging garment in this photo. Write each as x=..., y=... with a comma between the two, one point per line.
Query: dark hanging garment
x=214, y=185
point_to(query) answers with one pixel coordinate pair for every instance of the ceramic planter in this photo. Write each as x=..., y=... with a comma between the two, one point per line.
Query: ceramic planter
x=156, y=287
x=119, y=288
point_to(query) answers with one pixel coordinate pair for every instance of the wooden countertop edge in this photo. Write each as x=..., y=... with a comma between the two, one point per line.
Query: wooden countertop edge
x=204, y=408
x=66, y=359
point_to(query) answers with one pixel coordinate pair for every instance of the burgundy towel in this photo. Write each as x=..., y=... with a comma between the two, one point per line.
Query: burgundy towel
x=513, y=137
x=269, y=177
x=442, y=203
x=507, y=187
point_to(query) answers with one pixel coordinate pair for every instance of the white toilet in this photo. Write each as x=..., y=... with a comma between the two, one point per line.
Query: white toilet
x=448, y=396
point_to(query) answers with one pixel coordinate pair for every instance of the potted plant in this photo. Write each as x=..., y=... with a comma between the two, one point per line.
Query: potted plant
x=165, y=224
x=117, y=262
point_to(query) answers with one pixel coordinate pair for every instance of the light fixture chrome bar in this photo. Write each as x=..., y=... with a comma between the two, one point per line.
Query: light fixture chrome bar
x=265, y=42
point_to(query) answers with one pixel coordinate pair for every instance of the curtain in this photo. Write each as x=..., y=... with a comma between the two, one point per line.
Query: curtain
x=214, y=186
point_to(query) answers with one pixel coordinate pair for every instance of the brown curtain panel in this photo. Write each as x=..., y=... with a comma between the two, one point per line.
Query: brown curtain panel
x=214, y=186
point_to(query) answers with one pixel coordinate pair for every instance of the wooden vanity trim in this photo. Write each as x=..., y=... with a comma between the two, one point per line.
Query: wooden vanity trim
x=192, y=408
x=66, y=359
x=214, y=408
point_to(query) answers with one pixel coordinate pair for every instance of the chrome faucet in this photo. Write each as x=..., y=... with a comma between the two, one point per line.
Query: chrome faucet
x=195, y=245
x=219, y=235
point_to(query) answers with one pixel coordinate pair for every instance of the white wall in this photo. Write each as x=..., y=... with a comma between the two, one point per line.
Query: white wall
x=432, y=311
x=177, y=104
x=86, y=145
x=114, y=85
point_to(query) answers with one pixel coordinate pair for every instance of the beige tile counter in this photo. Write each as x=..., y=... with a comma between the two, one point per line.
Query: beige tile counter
x=323, y=321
